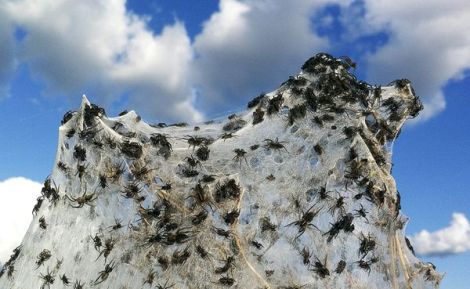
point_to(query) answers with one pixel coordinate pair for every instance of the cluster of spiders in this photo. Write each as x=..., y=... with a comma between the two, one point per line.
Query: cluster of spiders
x=161, y=226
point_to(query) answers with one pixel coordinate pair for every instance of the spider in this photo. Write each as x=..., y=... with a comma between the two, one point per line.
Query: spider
x=226, y=281
x=306, y=255
x=305, y=220
x=229, y=263
x=201, y=251
x=367, y=244
x=195, y=141
x=150, y=277
x=231, y=217
x=340, y=267
x=200, y=196
x=108, y=247
x=338, y=205
x=43, y=257
x=320, y=268
x=78, y=285
x=117, y=225
x=227, y=135
x=180, y=256
x=103, y=275
x=97, y=242
x=65, y=280
x=79, y=153
x=42, y=223
x=192, y=161
x=81, y=170
x=82, y=200
x=132, y=190
x=37, y=206
x=239, y=155
x=258, y=116
x=48, y=279
x=366, y=264
x=274, y=144
x=202, y=153
x=361, y=212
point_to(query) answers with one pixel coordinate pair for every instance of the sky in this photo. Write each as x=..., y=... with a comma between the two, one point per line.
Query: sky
x=175, y=60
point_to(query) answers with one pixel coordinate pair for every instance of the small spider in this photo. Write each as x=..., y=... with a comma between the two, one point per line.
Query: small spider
x=361, y=212
x=338, y=205
x=42, y=223
x=267, y=225
x=228, y=264
x=227, y=135
x=195, y=141
x=318, y=149
x=78, y=285
x=226, y=281
x=201, y=251
x=305, y=220
x=344, y=223
x=81, y=170
x=306, y=255
x=200, y=196
x=97, y=242
x=202, y=153
x=340, y=267
x=231, y=217
x=37, y=206
x=367, y=244
x=63, y=167
x=79, y=153
x=239, y=155
x=258, y=116
x=150, y=278
x=132, y=190
x=180, y=256
x=48, y=279
x=257, y=244
x=274, y=144
x=103, y=275
x=222, y=232
x=43, y=257
x=108, y=247
x=199, y=218
x=320, y=268
x=82, y=200
x=366, y=264
x=116, y=226
x=65, y=280
x=10, y=271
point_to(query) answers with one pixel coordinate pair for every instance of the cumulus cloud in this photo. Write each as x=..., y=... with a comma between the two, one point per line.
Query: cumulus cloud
x=17, y=198
x=99, y=46
x=245, y=47
x=248, y=46
x=428, y=43
x=452, y=239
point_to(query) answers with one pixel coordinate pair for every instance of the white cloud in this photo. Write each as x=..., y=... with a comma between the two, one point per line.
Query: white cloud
x=452, y=239
x=249, y=46
x=245, y=47
x=100, y=46
x=428, y=43
x=17, y=198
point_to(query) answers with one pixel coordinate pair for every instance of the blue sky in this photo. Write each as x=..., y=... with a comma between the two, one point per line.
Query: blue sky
x=194, y=60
